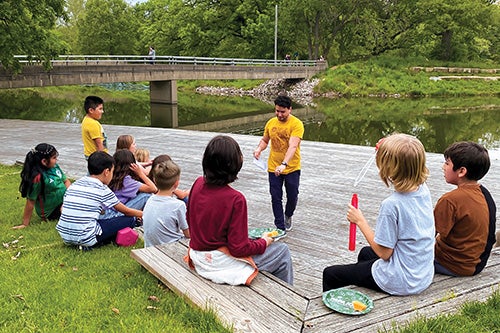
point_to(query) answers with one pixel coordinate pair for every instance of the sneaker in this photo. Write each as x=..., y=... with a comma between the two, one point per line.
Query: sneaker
x=281, y=236
x=140, y=231
x=288, y=223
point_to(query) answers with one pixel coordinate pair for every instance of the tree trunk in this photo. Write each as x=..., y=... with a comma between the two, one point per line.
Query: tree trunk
x=446, y=48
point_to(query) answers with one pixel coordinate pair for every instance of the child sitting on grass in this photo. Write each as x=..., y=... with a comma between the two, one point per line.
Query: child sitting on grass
x=164, y=218
x=130, y=184
x=81, y=221
x=180, y=194
x=142, y=157
x=43, y=184
x=465, y=217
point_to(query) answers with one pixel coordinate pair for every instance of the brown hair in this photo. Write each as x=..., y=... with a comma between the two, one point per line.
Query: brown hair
x=124, y=141
x=165, y=174
x=222, y=160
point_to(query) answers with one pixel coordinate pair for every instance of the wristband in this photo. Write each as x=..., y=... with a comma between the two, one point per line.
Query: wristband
x=284, y=163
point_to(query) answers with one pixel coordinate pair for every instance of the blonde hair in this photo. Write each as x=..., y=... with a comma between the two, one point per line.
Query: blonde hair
x=401, y=162
x=165, y=174
x=124, y=141
x=142, y=155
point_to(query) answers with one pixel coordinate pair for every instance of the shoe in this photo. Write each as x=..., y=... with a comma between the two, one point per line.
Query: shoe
x=140, y=231
x=288, y=223
x=281, y=236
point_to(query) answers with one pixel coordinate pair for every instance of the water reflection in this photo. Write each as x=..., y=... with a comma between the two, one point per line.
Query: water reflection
x=437, y=122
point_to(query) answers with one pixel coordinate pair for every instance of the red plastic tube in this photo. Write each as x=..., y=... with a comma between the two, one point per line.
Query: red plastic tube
x=352, y=226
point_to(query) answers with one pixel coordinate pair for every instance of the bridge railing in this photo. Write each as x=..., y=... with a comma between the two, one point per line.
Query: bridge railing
x=169, y=60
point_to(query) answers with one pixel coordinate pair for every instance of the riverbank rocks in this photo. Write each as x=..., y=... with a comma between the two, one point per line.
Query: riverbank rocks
x=301, y=91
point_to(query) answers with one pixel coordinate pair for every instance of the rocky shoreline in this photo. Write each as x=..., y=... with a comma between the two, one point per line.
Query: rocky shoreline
x=301, y=92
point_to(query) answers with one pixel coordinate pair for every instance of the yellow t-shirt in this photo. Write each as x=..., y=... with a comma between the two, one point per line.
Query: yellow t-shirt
x=92, y=129
x=279, y=134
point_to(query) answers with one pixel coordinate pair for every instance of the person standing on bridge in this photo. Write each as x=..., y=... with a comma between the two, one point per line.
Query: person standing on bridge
x=152, y=54
x=93, y=136
x=285, y=132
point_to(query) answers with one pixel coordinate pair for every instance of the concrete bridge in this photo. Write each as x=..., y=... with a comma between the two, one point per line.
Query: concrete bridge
x=161, y=72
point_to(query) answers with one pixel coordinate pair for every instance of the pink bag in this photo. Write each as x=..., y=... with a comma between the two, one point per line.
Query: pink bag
x=126, y=237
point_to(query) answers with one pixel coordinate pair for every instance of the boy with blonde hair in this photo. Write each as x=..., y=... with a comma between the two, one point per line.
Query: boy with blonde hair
x=399, y=260
x=164, y=218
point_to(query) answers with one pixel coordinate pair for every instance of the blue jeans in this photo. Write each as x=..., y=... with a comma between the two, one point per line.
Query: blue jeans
x=291, y=182
x=110, y=228
x=136, y=203
x=440, y=269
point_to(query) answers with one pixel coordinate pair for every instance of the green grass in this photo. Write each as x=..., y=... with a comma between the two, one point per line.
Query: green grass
x=477, y=317
x=386, y=75
x=49, y=287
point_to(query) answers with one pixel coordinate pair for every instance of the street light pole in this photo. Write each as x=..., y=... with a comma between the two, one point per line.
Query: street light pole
x=275, y=32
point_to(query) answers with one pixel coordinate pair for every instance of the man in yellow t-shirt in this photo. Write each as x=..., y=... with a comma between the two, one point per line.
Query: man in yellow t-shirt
x=285, y=132
x=93, y=136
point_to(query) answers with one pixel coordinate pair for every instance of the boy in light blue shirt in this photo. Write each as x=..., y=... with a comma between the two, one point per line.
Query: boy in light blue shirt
x=400, y=258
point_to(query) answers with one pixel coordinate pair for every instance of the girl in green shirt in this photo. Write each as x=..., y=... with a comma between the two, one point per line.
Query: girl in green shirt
x=43, y=184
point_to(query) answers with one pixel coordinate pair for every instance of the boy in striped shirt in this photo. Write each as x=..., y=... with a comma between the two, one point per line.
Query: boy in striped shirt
x=80, y=223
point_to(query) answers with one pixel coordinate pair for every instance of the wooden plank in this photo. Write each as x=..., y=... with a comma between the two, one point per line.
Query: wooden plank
x=237, y=306
x=265, y=285
x=449, y=290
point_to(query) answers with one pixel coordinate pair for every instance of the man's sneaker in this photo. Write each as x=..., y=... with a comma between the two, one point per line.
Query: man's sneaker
x=288, y=223
x=280, y=236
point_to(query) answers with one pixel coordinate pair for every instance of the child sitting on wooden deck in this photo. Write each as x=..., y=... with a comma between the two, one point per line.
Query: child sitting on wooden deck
x=399, y=260
x=465, y=217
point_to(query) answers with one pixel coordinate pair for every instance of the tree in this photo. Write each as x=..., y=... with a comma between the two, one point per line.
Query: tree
x=225, y=28
x=67, y=29
x=453, y=25
x=27, y=29
x=107, y=27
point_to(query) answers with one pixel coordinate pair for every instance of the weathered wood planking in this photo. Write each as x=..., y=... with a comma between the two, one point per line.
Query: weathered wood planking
x=444, y=295
x=275, y=290
x=245, y=309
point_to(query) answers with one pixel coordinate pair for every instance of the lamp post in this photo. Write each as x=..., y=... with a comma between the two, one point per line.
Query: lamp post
x=275, y=33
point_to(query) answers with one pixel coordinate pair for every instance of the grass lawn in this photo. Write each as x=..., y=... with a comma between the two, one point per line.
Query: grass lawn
x=49, y=287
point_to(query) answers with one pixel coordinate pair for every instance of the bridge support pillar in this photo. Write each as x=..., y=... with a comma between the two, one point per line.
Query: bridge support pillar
x=163, y=99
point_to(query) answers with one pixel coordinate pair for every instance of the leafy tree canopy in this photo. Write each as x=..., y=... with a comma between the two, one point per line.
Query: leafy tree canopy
x=26, y=28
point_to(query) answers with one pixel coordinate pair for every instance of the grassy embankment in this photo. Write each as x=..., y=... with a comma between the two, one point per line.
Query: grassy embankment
x=389, y=76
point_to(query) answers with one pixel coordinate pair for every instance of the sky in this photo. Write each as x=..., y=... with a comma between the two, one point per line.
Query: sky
x=133, y=2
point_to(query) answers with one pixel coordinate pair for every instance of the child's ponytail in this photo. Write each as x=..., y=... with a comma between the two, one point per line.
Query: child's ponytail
x=33, y=167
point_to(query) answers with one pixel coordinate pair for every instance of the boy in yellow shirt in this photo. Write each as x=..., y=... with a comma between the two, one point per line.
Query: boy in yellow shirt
x=93, y=136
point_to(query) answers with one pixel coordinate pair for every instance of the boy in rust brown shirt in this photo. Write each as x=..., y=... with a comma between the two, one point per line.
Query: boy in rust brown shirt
x=465, y=217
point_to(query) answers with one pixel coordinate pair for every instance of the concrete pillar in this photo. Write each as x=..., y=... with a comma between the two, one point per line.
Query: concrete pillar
x=163, y=99
x=164, y=115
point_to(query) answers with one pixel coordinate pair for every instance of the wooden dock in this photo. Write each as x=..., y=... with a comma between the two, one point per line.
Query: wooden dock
x=320, y=233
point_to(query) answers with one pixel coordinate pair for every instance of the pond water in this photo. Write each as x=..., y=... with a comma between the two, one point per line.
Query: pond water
x=437, y=122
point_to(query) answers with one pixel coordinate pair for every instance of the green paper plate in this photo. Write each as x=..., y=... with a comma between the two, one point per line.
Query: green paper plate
x=341, y=300
x=257, y=232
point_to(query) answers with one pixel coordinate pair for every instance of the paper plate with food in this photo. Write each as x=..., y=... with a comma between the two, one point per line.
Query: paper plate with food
x=269, y=232
x=347, y=301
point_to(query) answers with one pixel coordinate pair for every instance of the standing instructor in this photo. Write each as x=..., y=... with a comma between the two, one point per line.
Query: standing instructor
x=285, y=132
